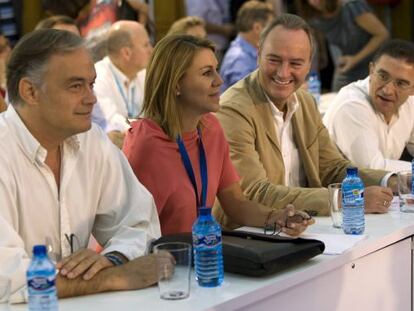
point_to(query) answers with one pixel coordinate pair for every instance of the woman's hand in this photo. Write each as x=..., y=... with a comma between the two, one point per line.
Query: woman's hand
x=290, y=221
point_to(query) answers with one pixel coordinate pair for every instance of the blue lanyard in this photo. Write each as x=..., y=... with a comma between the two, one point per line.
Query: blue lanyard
x=130, y=105
x=201, y=202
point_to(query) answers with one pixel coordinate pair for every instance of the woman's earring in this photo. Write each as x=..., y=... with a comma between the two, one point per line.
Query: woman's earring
x=178, y=93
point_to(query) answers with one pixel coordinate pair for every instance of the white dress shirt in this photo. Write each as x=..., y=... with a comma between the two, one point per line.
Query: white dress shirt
x=98, y=188
x=363, y=135
x=294, y=172
x=118, y=97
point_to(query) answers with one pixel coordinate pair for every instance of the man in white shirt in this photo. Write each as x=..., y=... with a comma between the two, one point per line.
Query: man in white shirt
x=372, y=120
x=278, y=143
x=119, y=85
x=62, y=179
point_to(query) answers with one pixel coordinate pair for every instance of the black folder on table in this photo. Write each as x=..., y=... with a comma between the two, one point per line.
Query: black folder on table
x=256, y=254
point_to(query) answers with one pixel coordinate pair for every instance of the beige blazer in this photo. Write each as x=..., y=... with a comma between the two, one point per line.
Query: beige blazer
x=249, y=126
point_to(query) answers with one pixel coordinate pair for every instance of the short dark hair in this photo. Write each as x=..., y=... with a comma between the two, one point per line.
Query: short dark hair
x=50, y=22
x=292, y=22
x=31, y=55
x=396, y=48
x=252, y=12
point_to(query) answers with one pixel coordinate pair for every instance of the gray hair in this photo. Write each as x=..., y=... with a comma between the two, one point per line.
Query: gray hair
x=292, y=22
x=30, y=57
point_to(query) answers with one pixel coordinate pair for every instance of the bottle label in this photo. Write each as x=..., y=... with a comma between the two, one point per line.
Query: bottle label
x=209, y=241
x=41, y=283
x=353, y=196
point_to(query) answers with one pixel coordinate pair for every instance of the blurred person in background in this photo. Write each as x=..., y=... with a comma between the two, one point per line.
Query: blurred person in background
x=190, y=25
x=352, y=31
x=216, y=14
x=95, y=17
x=119, y=86
x=241, y=57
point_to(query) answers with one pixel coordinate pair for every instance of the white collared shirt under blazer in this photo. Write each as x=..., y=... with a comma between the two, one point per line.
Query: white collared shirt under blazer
x=98, y=188
x=361, y=133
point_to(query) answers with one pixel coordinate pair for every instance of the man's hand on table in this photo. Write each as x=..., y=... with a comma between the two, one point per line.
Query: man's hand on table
x=377, y=199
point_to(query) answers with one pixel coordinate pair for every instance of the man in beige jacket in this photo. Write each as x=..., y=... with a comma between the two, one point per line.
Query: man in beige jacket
x=278, y=143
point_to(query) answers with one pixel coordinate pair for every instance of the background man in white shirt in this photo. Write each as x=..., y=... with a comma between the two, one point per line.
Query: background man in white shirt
x=62, y=179
x=372, y=120
x=119, y=85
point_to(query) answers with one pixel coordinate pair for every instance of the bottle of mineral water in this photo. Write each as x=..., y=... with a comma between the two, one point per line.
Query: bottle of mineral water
x=353, y=206
x=41, y=277
x=314, y=86
x=208, y=257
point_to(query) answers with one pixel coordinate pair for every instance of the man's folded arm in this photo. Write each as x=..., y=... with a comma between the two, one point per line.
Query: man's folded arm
x=136, y=274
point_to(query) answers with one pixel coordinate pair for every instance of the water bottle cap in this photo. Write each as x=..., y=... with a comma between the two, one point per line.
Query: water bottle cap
x=204, y=211
x=352, y=170
x=313, y=73
x=39, y=250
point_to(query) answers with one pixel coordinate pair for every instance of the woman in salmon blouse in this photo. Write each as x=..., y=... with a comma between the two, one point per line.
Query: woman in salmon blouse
x=179, y=152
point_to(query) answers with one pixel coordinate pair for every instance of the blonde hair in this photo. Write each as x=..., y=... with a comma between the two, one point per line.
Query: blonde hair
x=171, y=58
x=181, y=26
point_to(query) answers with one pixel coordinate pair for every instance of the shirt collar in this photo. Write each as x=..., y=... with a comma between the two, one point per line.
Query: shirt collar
x=292, y=105
x=118, y=74
x=31, y=147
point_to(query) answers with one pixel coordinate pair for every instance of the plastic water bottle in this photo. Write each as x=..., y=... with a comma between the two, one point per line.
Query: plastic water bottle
x=314, y=86
x=41, y=281
x=353, y=207
x=208, y=256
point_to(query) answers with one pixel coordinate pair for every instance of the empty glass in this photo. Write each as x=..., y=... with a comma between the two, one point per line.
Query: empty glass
x=405, y=192
x=174, y=266
x=335, y=204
